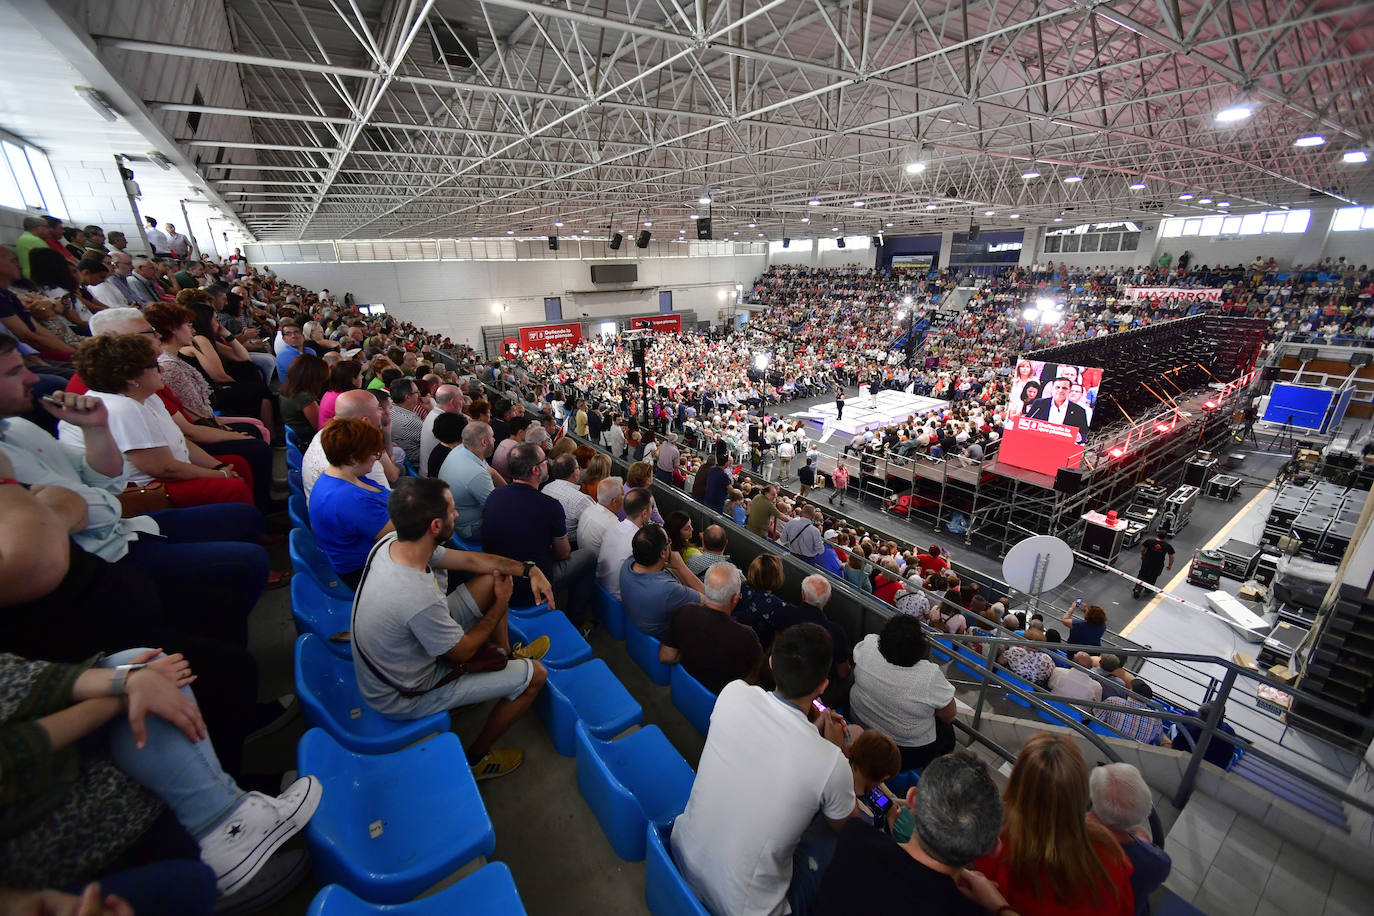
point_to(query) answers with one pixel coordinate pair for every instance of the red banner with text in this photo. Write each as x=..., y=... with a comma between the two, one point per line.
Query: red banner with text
x=1181, y=293
x=1039, y=445
x=662, y=324
x=549, y=335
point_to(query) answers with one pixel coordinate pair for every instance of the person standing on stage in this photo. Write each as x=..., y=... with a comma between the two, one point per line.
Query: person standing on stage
x=874, y=384
x=839, y=479
x=839, y=404
x=1156, y=555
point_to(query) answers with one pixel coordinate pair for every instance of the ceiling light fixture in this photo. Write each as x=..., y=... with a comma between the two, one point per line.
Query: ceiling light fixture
x=813, y=202
x=1073, y=179
x=1059, y=219
x=806, y=219
x=647, y=223
x=1234, y=113
x=915, y=168
x=559, y=225
x=695, y=216
x=989, y=212
x=1031, y=174
x=1185, y=196
x=890, y=224
x=1310, y=140
x=859, y=203
x=1223, y=203
x=1138, y=186
x=1015, y=216
x=98, y=103
x=705, y=197
x=1355, y=157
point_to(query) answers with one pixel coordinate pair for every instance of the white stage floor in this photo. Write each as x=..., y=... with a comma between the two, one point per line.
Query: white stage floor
x=893, y=406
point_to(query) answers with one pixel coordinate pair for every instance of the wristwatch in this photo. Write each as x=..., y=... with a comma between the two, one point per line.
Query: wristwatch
x=529, y=564
x=119, y=684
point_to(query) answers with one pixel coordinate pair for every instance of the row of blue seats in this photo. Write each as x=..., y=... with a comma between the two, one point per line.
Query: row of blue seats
x=372, y=845
x=633, y=785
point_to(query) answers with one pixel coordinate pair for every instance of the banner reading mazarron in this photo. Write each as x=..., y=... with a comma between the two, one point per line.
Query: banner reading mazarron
x=1183, y=294
x=661, y=324
x=549, y=335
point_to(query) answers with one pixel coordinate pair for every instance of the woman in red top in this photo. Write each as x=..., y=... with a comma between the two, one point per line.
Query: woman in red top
x=1049, y=860
x=932, y=561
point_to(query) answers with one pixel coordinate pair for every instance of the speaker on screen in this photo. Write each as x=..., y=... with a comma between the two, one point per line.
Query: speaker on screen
x=704, y=228
x=642, y=240
x=1068, y=480
x=615, y=241
x=553, y=243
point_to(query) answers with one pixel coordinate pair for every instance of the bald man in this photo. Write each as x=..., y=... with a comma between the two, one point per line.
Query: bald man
x=361, y=404
x=447, y=399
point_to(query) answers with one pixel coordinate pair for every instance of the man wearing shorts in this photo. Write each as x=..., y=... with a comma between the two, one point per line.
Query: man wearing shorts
x=412, y=633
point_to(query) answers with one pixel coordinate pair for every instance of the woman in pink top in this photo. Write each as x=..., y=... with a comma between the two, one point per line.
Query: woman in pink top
x=343, y=377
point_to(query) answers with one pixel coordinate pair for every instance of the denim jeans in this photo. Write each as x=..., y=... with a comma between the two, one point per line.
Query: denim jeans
x=186, y=776
x=811, y=858
x=265, y=363
x=207, y=559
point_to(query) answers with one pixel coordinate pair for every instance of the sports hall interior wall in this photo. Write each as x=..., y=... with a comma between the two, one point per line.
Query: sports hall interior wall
x=454, y=298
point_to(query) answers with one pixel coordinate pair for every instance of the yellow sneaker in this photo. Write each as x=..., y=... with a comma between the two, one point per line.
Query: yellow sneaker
x=536, y=649
x=498, y=762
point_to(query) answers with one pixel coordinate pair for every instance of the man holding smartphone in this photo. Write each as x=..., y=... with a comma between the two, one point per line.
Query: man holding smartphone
x=754, y=838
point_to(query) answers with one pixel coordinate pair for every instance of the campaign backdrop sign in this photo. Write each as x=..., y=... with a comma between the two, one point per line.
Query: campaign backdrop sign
x=660, y=324
x=1038, y=445
x=549, y=335
x=1172, y=292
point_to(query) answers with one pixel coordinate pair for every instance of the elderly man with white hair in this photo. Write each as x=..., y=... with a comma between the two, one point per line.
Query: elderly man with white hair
x=447, y=399
x=1121, y=803
x=707, y=641
x=816, y=593
x=603, y=515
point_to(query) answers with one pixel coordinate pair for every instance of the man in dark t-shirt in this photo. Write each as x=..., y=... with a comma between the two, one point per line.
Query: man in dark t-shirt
x=957, y=816
x=710, y=645
x=520, y=522
x=1156, y=555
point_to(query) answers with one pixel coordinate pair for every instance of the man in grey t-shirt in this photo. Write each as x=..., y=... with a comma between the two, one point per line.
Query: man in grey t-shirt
x=410, y=634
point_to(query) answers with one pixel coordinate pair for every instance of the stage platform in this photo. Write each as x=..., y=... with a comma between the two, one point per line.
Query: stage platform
x=893, y=407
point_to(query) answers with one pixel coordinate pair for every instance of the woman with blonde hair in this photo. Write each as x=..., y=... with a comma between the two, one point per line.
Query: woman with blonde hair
x=1050, y=860
x=598, y=468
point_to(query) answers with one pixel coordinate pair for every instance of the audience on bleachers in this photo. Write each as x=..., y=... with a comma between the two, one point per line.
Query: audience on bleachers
x=707, y=641
x=898, y=689
x=353, y=405
x=470, y=478
x=1121, y=803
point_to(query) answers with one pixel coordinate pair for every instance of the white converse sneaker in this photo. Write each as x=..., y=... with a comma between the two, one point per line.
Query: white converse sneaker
x=246, y=839
x=279, y=876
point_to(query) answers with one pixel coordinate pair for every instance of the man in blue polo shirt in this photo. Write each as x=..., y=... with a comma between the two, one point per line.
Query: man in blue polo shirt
x=519, y=521
x=292, y=345
x=655, y=582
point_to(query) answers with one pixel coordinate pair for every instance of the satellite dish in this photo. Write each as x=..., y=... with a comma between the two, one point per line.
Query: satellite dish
x=1050, y=553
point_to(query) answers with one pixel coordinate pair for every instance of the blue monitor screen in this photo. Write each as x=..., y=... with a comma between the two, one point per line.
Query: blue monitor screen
x=1298, y=405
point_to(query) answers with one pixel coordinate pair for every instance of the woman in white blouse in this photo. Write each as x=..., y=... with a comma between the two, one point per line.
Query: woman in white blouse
x=901, y=692
x=122, y=370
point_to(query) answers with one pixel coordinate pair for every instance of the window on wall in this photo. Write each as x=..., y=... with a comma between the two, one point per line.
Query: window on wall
x=1118, y=236
x=26, y=179
x=1353, y=219
x=1271, y=223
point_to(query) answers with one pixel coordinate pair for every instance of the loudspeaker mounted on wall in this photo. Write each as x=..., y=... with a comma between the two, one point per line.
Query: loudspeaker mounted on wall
x=786, y=242
x=877, y=241
x=973, y=231
x=839, y=242
x=642, y=240
x=615, y=241
x=553, y=243
x=704, y=229
x=1068, y=480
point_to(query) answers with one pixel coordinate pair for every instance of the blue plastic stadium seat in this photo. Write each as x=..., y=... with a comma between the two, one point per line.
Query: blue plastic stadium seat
x=612, y=614
x=1069, y=711
x=328, y=690
x=899, y=784
x=665, y=890
x=567, y=648
x=319, y=614
x=589, y=693
x=490, y=891
x=691, y=698
x=530, y=612
x=298, y=511
x=632, y=783
x=295, y=482
x=471, y=546
x=393, y=825
x=293, y=441
x=294, y=459
x=306, y=557
x=643, y=648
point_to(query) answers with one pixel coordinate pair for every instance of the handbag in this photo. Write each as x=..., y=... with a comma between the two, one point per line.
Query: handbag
x=136, y=500
x=490, y=657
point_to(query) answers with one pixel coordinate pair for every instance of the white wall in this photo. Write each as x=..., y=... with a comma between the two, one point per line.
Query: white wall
x=455, y=297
